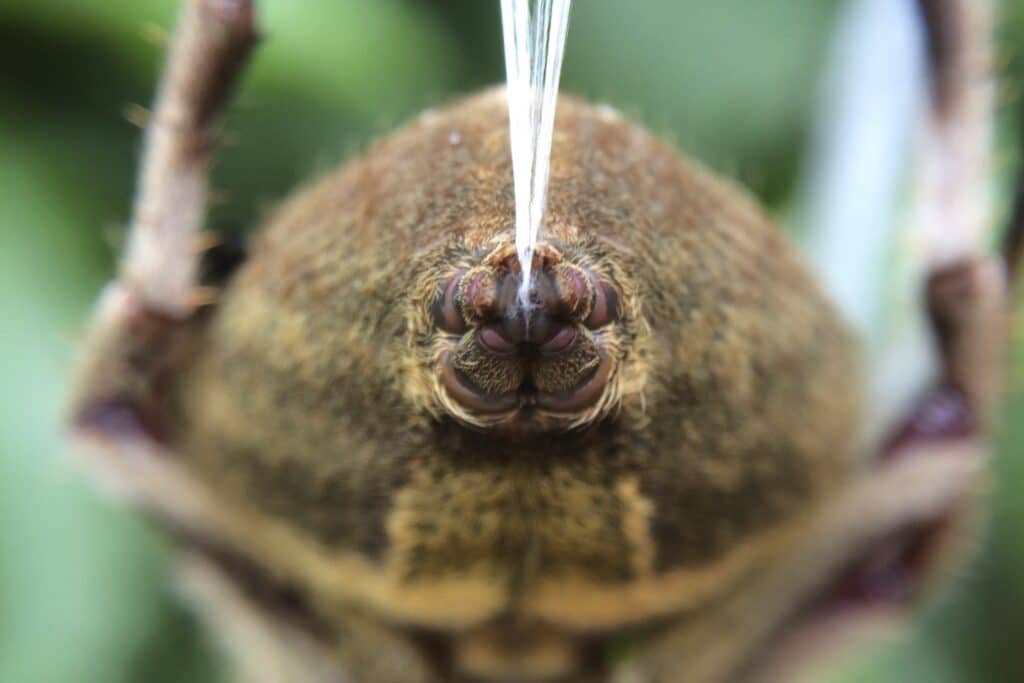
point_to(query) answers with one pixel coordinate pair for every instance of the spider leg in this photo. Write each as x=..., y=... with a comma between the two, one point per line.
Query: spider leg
x=966, y=289
x=898, y=178
x=1013, y=240
x=951, y=215
x=910, y=517
x=265, y=647
x=907, y=514
x=802, y=612
x=210, y=48
x=141, y=330
x=272, y=633
x=952, y=209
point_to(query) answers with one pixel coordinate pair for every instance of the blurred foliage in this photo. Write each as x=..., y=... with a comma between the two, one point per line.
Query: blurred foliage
x=85, y=588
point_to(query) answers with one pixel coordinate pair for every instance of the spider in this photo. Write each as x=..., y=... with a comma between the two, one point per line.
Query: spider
x=381, y=466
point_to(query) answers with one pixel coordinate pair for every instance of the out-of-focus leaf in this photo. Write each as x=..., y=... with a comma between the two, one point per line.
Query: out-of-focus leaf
x=81, y=585
x=732, y=80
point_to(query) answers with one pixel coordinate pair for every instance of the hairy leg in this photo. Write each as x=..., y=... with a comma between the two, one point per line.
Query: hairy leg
x=210, y=48
x=141, y=327
x=907, y=518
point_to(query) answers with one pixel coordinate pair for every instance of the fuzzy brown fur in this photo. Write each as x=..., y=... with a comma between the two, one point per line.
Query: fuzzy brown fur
x=313, y=413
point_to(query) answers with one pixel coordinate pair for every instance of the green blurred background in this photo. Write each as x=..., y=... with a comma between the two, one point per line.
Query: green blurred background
x=85, y=588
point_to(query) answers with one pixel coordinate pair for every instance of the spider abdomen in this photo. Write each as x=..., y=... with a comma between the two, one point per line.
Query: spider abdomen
x=321, y=417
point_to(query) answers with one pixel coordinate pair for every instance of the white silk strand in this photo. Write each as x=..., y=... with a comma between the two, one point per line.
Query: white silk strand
x=534, y=33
